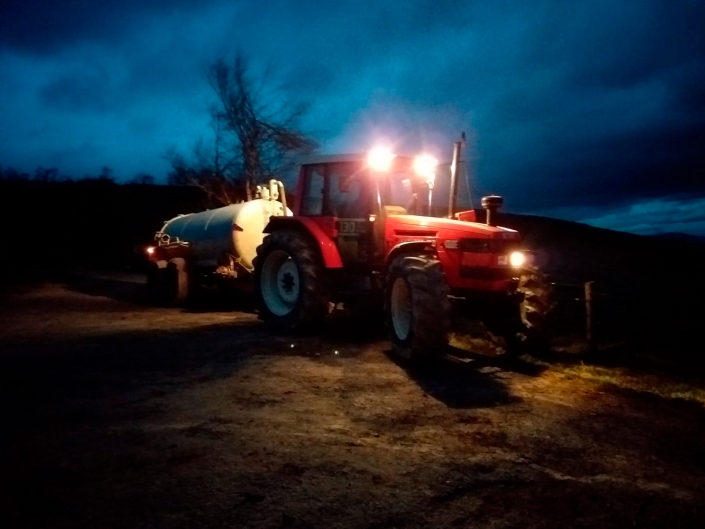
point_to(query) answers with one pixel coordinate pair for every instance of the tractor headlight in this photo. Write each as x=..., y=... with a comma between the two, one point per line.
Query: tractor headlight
x=380, y=159
x=150, y=250
x=450, y=244
x=516, y=259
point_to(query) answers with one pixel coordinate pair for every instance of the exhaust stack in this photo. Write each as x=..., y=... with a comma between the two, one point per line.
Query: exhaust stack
x=454, y=167
x=492, y=203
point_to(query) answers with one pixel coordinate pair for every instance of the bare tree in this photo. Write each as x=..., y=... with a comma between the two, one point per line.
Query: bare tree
x=46, y=175
x=143, y=179
x=255, y=136
x=220, y=187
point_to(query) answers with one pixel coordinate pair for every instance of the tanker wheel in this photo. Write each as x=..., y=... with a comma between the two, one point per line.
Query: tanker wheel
x=156, y=288
x=290, y=286
x=177, y=282
x=417, y=307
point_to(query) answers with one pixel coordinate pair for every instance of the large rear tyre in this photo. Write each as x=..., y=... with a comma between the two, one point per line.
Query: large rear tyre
x=290, y=283
x=177, y=282
x=417, y=307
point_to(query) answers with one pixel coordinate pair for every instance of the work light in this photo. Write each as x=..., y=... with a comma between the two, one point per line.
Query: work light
x=380, y=159
x=425, y=165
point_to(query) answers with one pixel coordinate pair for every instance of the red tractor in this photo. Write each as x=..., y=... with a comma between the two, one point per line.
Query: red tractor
x=367, y=232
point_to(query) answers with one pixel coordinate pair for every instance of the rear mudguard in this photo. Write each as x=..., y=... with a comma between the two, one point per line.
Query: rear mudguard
x=328, y=250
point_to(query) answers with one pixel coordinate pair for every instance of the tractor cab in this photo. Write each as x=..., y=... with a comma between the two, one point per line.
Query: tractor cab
x=350, y=198
x=353, y=186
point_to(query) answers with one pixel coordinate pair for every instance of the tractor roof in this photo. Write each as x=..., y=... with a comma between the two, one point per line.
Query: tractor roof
x=340, y=158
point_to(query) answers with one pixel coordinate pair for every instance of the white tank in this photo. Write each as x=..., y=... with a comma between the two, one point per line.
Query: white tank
x=235, y=229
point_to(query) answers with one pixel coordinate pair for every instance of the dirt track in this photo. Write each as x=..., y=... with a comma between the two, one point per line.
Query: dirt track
x=115, y=414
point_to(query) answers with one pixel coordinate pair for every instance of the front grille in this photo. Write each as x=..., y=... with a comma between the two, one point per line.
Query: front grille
x=501, y=246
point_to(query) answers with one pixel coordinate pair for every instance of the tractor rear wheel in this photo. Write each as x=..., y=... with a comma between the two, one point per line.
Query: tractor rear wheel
x=417, y=307
x=290, y=286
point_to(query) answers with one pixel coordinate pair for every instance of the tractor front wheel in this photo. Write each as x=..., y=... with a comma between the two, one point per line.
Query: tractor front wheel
x=417, y=307
x=289, y=279
x=536, y=309
x=525, y=325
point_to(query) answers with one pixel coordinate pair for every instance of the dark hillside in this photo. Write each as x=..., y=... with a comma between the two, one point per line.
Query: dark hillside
x=572, y=251
x=650, y=289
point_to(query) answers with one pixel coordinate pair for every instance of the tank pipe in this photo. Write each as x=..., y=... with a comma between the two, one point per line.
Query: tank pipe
x=282, y=196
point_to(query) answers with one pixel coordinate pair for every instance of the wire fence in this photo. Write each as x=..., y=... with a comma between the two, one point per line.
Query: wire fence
x=599, y=314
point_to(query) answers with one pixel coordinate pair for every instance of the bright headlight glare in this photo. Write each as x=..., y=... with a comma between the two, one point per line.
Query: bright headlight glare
x=425, y=165
x=150, y=250
x=380, y=159
x=516, y=259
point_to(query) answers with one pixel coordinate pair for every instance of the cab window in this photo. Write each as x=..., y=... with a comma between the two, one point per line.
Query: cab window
x=313, y=191
x=349, y=193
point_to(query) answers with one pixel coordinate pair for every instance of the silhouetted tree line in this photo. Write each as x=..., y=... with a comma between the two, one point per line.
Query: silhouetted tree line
x=52, y=174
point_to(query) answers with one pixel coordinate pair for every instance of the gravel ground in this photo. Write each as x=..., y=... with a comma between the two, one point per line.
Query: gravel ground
x=120, y=415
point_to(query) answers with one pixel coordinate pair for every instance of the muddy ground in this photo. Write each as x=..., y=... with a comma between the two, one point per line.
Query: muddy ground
x=119, y=415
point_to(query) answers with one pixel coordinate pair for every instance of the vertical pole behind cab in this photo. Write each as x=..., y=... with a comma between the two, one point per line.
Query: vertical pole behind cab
x=454, y=178
x=590, y=315
x=380, y=219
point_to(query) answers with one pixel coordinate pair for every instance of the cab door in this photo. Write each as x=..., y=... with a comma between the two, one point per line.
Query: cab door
x=350, y=201
x=339, y=198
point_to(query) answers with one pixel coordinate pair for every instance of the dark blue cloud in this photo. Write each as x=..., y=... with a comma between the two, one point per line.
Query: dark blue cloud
x=45, y=26
x=578, y=109
x=685, y=215
x=81, y=91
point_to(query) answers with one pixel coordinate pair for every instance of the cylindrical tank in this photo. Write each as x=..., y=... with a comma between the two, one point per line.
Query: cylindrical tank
x=235, y=229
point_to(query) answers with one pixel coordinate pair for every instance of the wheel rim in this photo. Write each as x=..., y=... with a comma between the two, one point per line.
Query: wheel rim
x=401, y=309
x=280, y=283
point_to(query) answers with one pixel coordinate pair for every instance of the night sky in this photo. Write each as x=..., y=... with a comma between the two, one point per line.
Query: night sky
x=591, y=111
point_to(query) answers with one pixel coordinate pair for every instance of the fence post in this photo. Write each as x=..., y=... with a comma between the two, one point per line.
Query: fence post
x=590, y=315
